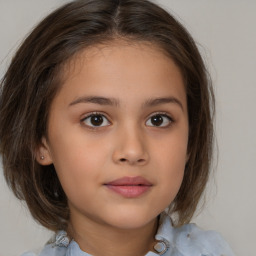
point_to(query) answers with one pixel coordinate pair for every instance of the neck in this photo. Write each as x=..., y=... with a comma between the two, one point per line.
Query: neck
x=97, y=239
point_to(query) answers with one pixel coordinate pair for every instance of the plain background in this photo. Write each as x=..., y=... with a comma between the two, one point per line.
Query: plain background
x=226, y=35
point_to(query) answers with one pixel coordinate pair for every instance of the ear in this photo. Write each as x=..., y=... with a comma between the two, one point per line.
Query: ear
x=43, y=153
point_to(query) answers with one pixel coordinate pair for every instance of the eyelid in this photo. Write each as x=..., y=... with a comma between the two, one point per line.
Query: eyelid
x=88, y=115
x=165, y=114
x=94, y=113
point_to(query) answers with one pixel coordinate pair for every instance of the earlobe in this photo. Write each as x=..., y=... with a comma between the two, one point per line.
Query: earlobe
x=43, y=154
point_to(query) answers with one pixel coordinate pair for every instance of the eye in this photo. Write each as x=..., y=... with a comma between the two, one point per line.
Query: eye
x=96, y=120
x=159, y=120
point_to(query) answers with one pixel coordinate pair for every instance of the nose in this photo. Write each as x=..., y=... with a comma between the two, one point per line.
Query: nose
x=130, y=148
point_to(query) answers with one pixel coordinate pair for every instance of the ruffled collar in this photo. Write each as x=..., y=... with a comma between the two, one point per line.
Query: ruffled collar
x=187, y=240
x=163, y=237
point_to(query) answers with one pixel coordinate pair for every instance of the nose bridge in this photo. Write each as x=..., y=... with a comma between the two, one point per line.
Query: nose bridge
x=130, y=145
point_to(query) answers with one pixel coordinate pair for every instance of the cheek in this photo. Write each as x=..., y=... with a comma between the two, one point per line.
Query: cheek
x=172, y=150
x=74, y=149
x=173, y=172
x=171, y=163
x=76, y=162
x=171, y=179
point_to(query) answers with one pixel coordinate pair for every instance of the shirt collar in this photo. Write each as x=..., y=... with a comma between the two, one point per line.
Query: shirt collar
x=165, y=235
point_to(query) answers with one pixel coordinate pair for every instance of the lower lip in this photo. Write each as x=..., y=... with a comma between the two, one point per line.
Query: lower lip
x=129, y=191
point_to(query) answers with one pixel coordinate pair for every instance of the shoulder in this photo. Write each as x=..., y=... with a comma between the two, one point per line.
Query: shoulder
x=56, y=246
x=190, y=238
x=48, y=250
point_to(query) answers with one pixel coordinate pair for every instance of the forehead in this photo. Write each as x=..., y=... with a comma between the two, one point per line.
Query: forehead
x=124, y=67
x=128, y=50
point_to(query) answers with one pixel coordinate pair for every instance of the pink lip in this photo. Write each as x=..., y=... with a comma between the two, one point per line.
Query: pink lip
x=129, y=187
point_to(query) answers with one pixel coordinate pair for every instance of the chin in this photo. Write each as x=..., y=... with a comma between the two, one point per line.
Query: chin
x=131, y=219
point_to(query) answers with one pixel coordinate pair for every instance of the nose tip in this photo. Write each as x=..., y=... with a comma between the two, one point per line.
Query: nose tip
x=130, y=149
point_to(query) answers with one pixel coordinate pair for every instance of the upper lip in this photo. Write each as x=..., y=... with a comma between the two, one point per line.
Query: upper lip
x=130, y=181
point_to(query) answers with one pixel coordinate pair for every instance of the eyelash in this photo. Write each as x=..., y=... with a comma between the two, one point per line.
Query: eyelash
x=94, y=114
x=162, y=114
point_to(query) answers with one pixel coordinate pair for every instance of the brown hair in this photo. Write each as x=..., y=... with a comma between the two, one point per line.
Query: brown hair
x=33, y=78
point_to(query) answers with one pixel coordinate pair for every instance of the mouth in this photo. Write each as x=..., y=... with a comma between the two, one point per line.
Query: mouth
x=129, y=187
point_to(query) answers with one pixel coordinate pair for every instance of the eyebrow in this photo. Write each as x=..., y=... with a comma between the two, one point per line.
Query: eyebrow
x=158, y=101
x=114, y=102
x=96, y=100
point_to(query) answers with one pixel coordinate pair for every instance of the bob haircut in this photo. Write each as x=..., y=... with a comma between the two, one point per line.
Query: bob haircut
x=34, y=78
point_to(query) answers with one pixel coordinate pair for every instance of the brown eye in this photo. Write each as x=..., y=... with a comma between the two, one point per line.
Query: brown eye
x=159, y=120
x=96, y=120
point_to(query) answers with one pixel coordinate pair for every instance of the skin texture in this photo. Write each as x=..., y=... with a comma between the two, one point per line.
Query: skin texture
x=126, y=144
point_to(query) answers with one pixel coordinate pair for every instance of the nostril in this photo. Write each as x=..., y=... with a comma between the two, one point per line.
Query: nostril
x=131, y=160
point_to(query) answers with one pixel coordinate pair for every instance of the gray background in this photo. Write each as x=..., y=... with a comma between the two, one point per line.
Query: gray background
x=225, y=30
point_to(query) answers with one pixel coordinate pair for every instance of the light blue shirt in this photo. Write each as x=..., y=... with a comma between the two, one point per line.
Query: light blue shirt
x=188, y=240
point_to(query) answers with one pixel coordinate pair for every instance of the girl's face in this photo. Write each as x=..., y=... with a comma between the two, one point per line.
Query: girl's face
x=118, y=134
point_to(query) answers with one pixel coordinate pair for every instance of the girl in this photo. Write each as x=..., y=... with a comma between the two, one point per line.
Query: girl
x=106, y=131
